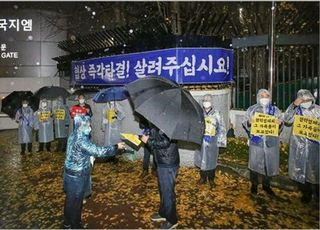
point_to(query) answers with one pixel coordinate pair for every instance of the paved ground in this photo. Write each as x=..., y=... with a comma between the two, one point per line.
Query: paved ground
x=31, y=196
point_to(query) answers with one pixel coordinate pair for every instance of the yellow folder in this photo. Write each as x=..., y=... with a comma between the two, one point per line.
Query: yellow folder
x=132, y=138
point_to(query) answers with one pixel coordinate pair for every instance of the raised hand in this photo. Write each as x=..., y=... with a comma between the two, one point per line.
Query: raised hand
x=298, y=101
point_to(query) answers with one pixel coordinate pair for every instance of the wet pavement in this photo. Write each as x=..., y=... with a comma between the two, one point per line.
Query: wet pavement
x=31, y=196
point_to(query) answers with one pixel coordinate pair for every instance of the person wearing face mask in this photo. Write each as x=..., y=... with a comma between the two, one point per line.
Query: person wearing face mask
x=214, y=137
x=304, y=152
x=25, y=118
x=112, y=118
x=44, y=125
x=263, y=150
x=84, y=108
x=77, y=168
x=61, y=122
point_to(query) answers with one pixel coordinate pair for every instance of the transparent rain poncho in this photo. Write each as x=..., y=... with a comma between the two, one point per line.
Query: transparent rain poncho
x=263, y=150
x=44, y=122
x=303, y=152
x=214, y=137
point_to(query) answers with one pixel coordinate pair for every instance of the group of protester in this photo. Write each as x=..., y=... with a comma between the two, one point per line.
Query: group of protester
x=52, y=123
x=264, y=155
x=49, y=123
x=303, y=151
x=263, y=152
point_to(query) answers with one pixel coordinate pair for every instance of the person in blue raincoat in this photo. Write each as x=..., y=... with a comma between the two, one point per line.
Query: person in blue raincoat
x=215, y=136
x=263, y=150
x=44, y=125
x=61, y=122
x=25, y=118
x=303, y=151
x=77, y=168
x=112, y=117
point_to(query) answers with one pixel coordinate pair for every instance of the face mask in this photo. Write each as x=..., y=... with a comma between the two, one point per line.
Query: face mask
x=306, y=105
x=44, y=104
x=264, y=101
x=24, y=105
x=81, y=101
x=206, y=104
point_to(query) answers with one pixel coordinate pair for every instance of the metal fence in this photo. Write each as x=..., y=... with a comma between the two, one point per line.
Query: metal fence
x=296, y=67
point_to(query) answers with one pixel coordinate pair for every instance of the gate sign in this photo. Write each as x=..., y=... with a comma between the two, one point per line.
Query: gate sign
x=182, y=65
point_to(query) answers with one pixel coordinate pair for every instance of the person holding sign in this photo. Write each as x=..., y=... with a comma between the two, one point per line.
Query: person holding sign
x=44, y=125
x=214, y=137
x=25, y=118
x=261, y=122
x=304, y=115
x=77, y=169
x=112, y=118
x=61, y=122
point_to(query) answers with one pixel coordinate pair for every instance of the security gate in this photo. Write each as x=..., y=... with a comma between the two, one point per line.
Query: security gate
x=296, y=67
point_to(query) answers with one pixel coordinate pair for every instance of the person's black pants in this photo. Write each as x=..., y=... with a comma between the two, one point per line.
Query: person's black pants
x=62, y=144
x=48, y=146
x=254, y=179
x=75, y=187
x=166, y=183
x=146, y=160
x=23, y=148
x=307, y=189
x=207, y=174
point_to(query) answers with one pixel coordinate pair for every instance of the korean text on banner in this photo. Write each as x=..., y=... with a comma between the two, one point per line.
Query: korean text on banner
x=60, y=114
x=182, y=65
x=44, y=116
x=308, y=127
x=210, y=130
x=264, y=125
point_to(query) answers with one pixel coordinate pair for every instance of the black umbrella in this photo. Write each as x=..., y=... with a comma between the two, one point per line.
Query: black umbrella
x=169, y=107
x=51, y=92
x=12, y=102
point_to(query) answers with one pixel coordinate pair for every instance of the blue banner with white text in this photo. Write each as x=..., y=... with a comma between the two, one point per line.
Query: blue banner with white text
x=182, y=65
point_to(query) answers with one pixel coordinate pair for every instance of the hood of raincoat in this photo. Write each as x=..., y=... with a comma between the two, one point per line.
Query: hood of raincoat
x=60, y=101
x=306, y=95
x=82, y=125
x=261, y=91
x=41, y=108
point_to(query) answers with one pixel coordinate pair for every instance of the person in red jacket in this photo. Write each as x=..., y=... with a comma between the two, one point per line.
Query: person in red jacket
x=82, y=108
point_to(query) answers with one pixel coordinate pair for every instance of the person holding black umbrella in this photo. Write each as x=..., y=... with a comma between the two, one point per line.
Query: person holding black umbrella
x=174, y=115
x=167, y=159
x=44, y=125
x=214, y=137
x=24, y=116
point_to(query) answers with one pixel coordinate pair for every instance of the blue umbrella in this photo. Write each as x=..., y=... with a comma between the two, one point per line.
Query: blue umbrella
x=111, y=94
